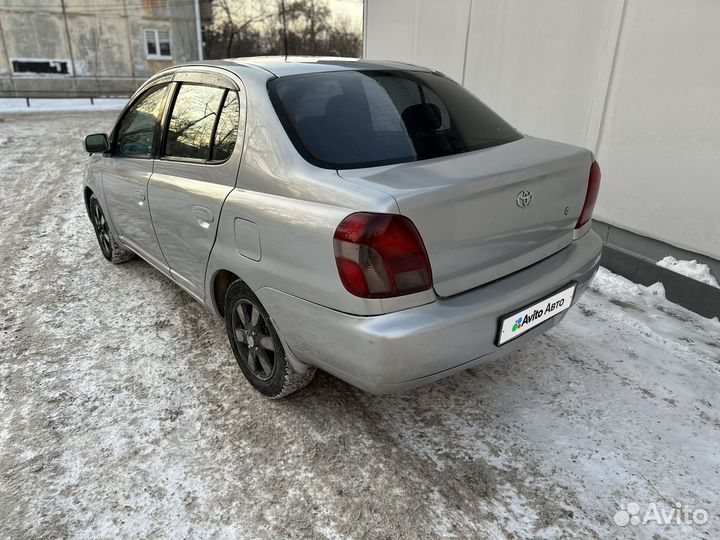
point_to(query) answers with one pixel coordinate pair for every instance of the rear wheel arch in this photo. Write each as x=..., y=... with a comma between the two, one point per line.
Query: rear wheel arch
x=220, y=284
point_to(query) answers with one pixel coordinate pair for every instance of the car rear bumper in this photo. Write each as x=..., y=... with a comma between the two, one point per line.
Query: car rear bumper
x=395, y=351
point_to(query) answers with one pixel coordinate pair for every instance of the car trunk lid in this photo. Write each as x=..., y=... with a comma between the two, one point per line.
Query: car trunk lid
x=486, y=214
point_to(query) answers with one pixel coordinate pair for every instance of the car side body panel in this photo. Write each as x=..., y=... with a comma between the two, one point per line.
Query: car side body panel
x=295, y=209
x=185, y=211
x=92, y=179
x=125, y=185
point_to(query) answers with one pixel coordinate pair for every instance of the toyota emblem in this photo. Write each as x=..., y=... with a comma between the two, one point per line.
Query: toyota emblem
x=524, y=198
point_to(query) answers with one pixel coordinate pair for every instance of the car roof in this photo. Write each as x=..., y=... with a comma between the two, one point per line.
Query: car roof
x=281, y=66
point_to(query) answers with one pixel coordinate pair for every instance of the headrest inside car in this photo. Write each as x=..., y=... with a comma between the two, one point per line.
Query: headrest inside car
x=422, y=117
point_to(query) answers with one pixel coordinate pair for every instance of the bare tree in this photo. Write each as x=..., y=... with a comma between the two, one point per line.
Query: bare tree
x=232, y=20
x=252, y=27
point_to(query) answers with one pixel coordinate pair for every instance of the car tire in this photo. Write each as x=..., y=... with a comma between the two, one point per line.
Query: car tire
x=110, y=248
x=257, y=347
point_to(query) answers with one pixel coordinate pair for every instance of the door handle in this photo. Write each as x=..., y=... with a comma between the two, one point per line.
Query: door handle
x=139, y=195
x=203, y=214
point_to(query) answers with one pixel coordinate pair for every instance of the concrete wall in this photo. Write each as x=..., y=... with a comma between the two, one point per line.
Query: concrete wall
x=103, y=41
x=637, y=81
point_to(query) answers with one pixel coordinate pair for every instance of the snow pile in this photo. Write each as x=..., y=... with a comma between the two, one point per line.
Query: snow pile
x=615, y=286
x=19, y=105
x=692, y=269
x=640, y=307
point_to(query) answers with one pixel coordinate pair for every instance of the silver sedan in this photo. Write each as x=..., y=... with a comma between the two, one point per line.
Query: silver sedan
x=371, y=219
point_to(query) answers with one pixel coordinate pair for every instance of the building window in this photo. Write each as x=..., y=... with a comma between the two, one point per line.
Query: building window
x=157, y=44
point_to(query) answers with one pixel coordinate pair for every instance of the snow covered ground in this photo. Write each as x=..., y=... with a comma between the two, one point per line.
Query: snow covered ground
x=123, y=413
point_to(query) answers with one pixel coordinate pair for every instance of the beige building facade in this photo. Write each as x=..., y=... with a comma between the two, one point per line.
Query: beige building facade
x=55, y=48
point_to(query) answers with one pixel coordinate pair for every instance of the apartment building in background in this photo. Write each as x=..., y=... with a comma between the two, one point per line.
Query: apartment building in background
x=54, y=48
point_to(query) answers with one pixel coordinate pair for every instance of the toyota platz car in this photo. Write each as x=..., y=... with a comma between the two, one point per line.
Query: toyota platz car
x=371, y=219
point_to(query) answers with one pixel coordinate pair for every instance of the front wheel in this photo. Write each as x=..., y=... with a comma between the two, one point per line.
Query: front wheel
x=257, y=347
x=111, y=250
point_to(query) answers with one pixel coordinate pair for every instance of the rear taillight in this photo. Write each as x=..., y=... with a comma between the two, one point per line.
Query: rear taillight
x=381, y=255
x=591, y=195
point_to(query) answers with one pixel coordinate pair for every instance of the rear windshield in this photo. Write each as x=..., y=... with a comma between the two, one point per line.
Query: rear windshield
x=353, y=119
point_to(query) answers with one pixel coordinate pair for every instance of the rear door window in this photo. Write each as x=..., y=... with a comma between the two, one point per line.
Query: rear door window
x=352, y=119
x=226, y=133
x=192, y=122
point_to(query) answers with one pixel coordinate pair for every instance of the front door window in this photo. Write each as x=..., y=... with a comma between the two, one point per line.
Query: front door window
x=139, y=128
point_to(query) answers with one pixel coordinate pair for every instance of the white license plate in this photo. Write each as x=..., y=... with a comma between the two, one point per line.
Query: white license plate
x=529, y=317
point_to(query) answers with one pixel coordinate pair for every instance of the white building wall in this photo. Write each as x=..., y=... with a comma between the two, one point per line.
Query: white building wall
x=636, y=81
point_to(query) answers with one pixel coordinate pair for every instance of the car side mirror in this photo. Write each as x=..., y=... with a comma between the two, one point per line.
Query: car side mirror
x=97, y=142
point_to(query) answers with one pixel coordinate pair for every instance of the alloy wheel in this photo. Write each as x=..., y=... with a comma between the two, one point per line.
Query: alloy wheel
x=251, y=331
x=102, y=230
